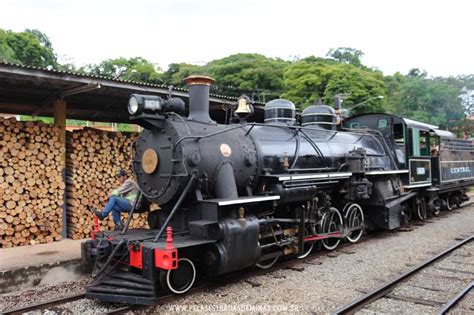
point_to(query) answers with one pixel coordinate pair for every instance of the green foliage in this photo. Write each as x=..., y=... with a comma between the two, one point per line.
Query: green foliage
x=41, y=37
x=235, y=74
x=346, y=55
x=31, y=47
x=240, y=73
x=127, y=128
x=133, y=69
x=429, y=100
x=46, y=120
x=312, y=78
x=393, y=84
x=178, y=71
x=465, y=84
x=6, y=52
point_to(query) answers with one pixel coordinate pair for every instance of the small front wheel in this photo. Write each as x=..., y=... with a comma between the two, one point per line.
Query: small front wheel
x=180, y=280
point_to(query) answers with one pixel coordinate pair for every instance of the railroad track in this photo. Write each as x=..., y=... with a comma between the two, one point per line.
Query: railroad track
x=46, y=304
x=225, y=279
x=386, y=290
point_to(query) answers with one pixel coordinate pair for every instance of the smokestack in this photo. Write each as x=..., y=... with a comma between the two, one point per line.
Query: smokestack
x=199, y=98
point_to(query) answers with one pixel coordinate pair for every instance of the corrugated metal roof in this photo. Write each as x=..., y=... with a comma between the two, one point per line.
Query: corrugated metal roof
x=83, y=75
x=28, y=90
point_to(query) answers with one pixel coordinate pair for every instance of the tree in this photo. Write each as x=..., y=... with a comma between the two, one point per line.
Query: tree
x=42, y=37
x=312, y=78
x=6, y=53
x=178, y=71
x=235, y=74
x=133, y=69
x=417, y=73
x=31, y=47
x=430, y=100
x=465, y=85
x=244, y=73
x=346, y=55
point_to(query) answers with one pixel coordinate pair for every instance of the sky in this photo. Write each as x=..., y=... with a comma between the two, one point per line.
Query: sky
x=395, y=35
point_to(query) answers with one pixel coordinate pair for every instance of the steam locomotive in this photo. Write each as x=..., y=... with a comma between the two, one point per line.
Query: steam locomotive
x=245, y=194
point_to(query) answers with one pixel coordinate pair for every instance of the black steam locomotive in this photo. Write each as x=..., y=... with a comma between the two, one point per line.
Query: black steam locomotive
x=245, y=194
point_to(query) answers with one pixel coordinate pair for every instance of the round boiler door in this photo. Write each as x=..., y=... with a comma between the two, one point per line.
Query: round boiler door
x=150, y=161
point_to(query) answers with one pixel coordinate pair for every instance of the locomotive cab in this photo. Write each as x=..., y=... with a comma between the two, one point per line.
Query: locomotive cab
x=436, y=164
x=408, y=140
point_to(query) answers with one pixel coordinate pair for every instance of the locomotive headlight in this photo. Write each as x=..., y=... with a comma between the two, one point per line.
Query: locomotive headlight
x=138, y=103
x=133, y=105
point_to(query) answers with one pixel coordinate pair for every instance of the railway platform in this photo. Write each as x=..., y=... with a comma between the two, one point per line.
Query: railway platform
x=26, y=266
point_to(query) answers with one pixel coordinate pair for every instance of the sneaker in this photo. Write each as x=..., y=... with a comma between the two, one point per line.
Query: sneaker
x=118, y=227
x=97, y=213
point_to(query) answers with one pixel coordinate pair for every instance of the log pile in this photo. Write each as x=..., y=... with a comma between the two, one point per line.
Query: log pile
x=93, y=158
x=31, y=184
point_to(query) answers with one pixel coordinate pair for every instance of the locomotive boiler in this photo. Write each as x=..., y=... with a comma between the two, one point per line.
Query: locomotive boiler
x=238, y=195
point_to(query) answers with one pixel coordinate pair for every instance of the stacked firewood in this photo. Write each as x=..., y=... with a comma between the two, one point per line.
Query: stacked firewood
x=93, y=158
x=31, y=184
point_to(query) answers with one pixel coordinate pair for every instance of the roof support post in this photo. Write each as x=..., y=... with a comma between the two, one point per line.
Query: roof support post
x=60, y=121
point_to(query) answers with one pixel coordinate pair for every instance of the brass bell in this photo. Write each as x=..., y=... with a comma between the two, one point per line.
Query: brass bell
x=243, y=107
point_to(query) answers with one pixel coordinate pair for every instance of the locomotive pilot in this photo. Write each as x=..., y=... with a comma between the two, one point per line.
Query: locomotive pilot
x=120, y=200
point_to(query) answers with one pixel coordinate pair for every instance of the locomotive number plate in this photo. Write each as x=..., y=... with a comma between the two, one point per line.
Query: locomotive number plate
x=149, y=161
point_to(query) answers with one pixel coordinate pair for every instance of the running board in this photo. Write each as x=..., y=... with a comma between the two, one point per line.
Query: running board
x=240, y=200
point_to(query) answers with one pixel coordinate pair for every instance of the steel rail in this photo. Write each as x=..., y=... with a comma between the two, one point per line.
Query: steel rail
x=451, y=303
x=43, y=305
x=376, y=294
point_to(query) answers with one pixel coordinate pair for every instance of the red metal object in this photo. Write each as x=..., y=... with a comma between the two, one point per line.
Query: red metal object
x=322, y=237
x=96, y=227
x=167, y=258
x=136, y=257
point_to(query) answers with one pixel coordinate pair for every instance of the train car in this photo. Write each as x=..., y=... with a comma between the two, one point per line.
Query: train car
x=245, y=194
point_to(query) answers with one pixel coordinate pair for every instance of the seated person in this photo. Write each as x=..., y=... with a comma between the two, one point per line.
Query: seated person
x=120, y=200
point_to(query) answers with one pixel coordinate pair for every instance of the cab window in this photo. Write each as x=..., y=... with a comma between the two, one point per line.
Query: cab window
x=399, y=135
x=354, y=125
x=420, y=142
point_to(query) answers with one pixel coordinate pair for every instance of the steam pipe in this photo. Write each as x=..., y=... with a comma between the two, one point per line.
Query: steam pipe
x=176, y=206
x=225, y=182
